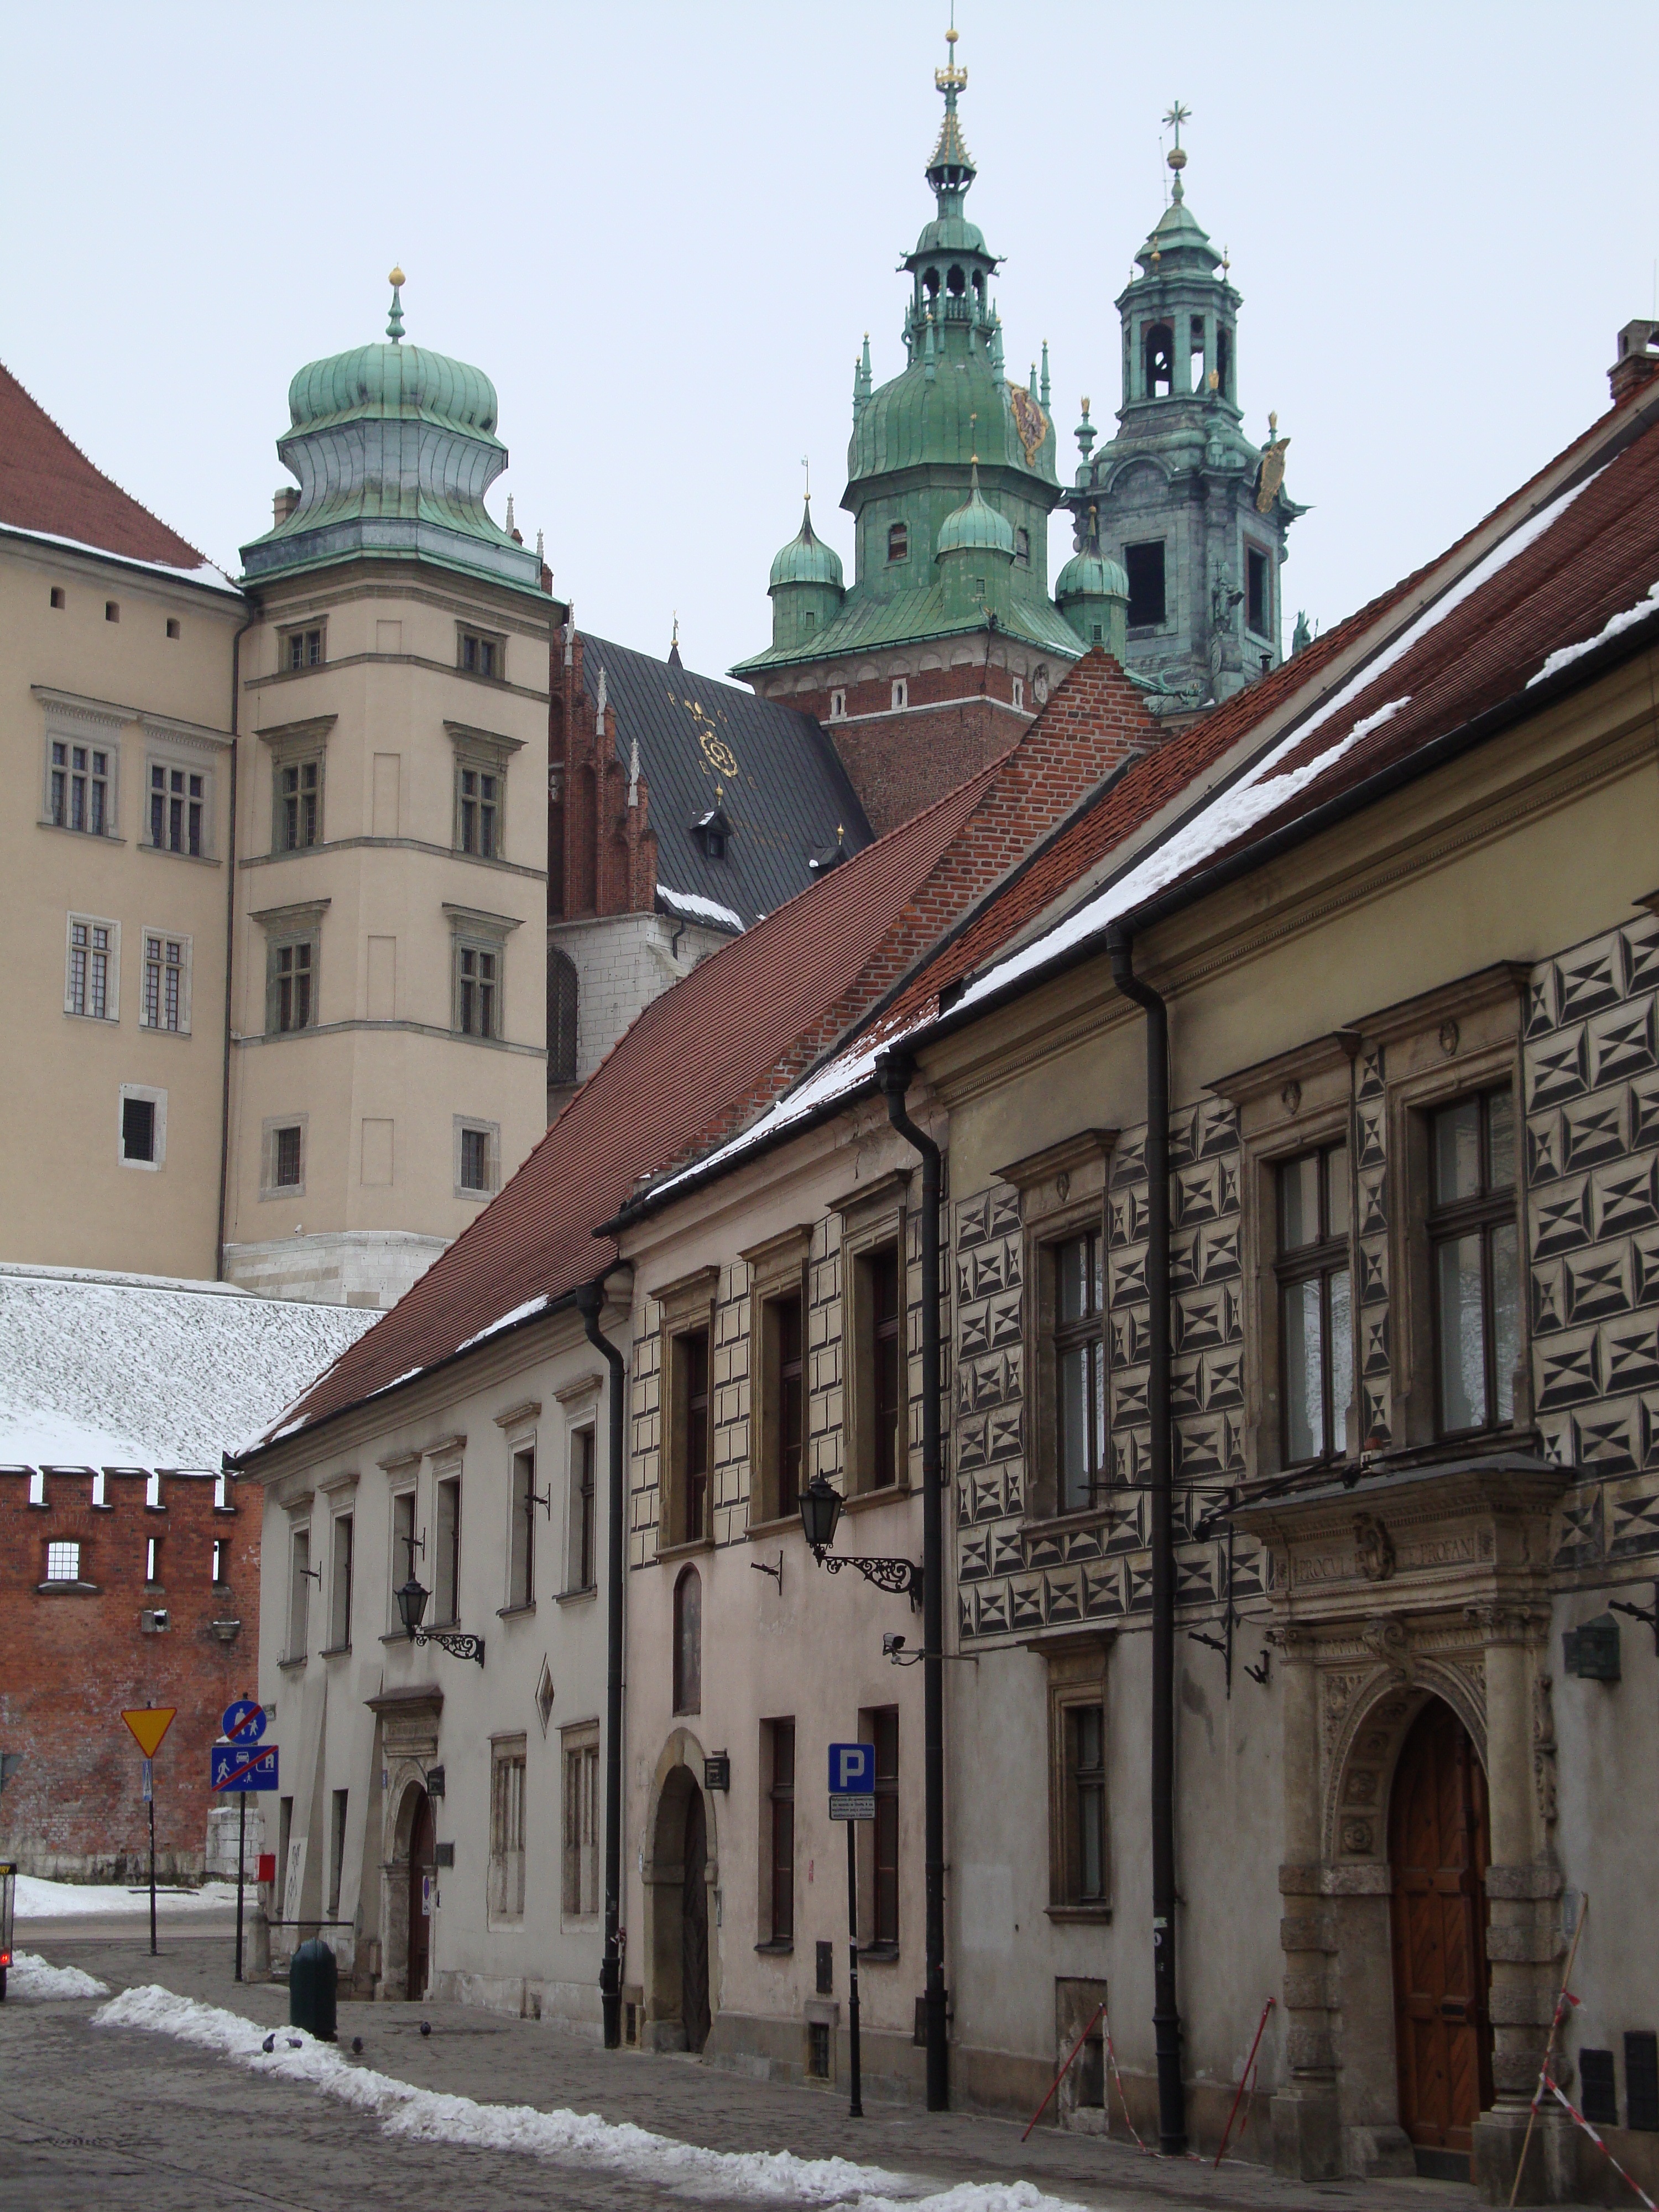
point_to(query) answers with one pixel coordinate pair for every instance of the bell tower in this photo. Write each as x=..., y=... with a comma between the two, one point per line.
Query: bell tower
x=1194, y=512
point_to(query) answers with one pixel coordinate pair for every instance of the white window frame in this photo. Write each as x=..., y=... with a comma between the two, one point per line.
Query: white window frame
x=112, y=977
x=837, y=706
x=469, y=1124
x=158, y=1099
x=901, y=693
x=1019, y=692
x=146, y=935
x=63, y=1545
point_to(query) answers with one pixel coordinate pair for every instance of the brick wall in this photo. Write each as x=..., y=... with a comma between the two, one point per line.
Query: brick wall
x=899, y=763
x=74, y=1656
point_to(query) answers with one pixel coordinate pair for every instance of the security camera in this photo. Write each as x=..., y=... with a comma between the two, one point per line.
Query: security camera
x=891, y=1645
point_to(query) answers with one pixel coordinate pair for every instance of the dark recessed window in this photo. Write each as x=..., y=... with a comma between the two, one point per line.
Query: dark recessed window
x=898, y=541
x=58, y=598
x=138, y=1129
x=112, y=610
x=173, y=630
x=1255, y=590
x=1022, y=549
x=1146, y=602
x=285, y=1146
x=1160, y=361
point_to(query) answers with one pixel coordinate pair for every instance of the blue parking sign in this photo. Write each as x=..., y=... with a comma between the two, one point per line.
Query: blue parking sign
x=852, y=1782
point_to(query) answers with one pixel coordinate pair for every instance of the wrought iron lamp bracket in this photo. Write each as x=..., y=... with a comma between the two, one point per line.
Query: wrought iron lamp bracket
x=902, y=1578
x=1640, y=1613
x=456, y=1642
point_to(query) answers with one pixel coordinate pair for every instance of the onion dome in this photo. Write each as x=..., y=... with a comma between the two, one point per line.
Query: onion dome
x=975, y=526
x=1091, y=576
x=806, y=559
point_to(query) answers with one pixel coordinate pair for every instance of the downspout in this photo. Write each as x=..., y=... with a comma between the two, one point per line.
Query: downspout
x=590, y=1304
x=895, y=1073
x=1166, y=2013
x=230, y=938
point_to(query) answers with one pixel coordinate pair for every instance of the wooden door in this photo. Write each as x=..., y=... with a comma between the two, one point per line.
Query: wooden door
x=1439, y=1847
x=422, y=1858
x=694, y=1926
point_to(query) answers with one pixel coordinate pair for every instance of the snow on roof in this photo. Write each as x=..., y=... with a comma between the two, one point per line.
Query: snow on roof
x=690, y=906
x=203, y=573
x=122, y=1370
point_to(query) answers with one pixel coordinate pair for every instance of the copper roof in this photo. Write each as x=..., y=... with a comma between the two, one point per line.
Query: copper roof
x=47, y=484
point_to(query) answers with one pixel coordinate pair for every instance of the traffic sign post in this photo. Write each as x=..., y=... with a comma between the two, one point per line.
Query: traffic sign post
x=147, y=1725
x=242, y=1769
x=851, y=1799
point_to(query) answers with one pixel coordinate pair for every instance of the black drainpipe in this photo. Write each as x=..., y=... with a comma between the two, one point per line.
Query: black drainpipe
x=230, y=938
x=590, y=1304
x=895, y=1073
x=1166, y=2012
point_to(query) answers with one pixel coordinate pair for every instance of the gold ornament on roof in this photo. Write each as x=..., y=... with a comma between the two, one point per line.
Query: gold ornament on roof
x=397, y=276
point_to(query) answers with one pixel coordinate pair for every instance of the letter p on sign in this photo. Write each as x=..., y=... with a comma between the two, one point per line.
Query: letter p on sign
x=852, y=1767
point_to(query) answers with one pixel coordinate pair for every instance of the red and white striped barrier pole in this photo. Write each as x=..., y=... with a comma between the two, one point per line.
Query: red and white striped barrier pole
x=1243, y=2081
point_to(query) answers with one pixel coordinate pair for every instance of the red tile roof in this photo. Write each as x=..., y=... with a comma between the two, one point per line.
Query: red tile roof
x=48, y=484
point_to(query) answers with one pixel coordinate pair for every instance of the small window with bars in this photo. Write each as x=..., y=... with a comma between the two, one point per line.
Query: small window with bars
x=478, y=801
x=166, y=979
x=81, y=795
x=285, y=1158
x=299, y=811
x=93, y=971
x=178, y=809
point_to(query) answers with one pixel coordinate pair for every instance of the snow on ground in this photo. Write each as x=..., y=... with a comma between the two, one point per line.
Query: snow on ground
x=776, y=2177
x=29, y=1976
x=37, y=1900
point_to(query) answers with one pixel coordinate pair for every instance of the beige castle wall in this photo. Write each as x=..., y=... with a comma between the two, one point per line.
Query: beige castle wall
x=66, y=1196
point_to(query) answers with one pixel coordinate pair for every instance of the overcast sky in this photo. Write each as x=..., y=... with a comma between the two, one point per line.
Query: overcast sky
x=663, y=232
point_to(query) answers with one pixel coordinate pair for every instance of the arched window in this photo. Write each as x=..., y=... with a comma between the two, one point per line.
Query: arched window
x=930, y=283
x=956, y=281
x=560, y=1018
x=1160, y=361
x=687, y=1641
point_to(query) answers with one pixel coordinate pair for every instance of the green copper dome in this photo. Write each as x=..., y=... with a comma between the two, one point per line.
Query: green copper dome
x=807, y=559
x=1091, y=576
x=393, y=382
x=975, y=526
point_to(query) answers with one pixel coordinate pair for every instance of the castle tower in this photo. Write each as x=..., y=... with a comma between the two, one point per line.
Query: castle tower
x=1195, y=513
x=947, y=641
x=388, y=1023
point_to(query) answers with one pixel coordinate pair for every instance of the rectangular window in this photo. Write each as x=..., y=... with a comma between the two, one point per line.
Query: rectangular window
x=302, y=649
x=475, y=1174
x=901, y=693
x=81, y=788
x=1144, y=565
x=336, y=1833
x=582, y=1518
x=784, y=1382
x=522, y=1546
x=91, y=979
x=403, y=1543
x=691, y=1435
x=288, y=1161
x=478, y=804
x=1079, y=1371
x=481, y=656
x=293, y=976
x=1255, y=590
x=339, y=1621
x=507, y=1778
x=880, y=1353
x=152, y=1560
x=62, y=1563
x=1475, y=1262
x=299, y=805
x=837, y=705
x=177, y=801
x=781, y=1808
x=477, y=988
x=898, y=541
x=446, y=1566
x=165, y=1004
x=138, y=1129
x=1085, y=1792
x=580, y=1886
x=299, y=1595
x=1315, y=1316
x=884, y=1922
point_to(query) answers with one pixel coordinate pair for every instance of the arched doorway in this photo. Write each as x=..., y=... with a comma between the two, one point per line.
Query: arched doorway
x=679, y=1873
x=1438, y=1849
x=423, y=1857
x=693, y=1923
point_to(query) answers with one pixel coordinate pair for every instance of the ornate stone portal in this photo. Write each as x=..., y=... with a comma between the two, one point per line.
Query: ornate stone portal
x=1427, y=1581
x=408, y=1731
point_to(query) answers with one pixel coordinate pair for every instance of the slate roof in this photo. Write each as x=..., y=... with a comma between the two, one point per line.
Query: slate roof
x=81, y=1353
x=779, y=781
x=913, y=617
x=48, y=485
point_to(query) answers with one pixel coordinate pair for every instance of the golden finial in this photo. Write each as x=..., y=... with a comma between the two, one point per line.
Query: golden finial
x=397, y=276
x=1272, y=421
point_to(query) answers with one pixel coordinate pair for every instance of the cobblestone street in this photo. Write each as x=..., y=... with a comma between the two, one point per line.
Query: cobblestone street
x=95, y=2119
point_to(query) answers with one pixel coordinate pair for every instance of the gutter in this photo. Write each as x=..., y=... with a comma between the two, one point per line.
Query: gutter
x=590, y=1304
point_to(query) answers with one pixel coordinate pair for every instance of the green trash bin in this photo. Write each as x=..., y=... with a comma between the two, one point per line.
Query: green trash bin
x=312, y=1979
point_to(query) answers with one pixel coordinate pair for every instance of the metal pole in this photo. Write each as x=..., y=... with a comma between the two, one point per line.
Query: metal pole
x=1166, y=2010
x=896, y=1075
x=856, y=2108
x=242, y=1867
x=152, y=1857
x=590, y=1304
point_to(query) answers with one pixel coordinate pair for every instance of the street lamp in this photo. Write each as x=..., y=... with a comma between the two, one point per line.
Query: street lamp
x=820, y=1511
x=411, y=1604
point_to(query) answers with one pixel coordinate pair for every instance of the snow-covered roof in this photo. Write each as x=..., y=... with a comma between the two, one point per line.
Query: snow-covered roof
x=691, y=906
x=105, y=1370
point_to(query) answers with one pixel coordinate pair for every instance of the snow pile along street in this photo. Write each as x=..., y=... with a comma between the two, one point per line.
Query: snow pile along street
x=37, y=1900
x=29, y=1976
x=776, y=2176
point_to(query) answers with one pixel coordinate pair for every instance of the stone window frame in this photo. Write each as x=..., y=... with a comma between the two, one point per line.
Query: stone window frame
x=143, y=1094
x=1063, y=1192
x=171, y=751
x=466, y=1125
x=447, y=1468
x=287, y=632
x=1169, y=623
x=579, y=1406
x=1249, y=546
x=1076, y=1671
x=508, y=1815
x=150, y=934
x=285, y=926
x=339, y=1493
x=477, y=635
x=111, y=953
x=838, y=706
x=296, y=1612
x=473, y=930
x=290, y=743
x=1463, y=1037
x=268, y=1186
x=488, y=750
x=777, y=1269
x=70, y=721
x=685, y=1307
x=403, y=1473
x=579, y=1771
x=872, y=1217
x=1298, y=1101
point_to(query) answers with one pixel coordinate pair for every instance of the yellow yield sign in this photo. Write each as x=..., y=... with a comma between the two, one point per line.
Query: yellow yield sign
x=149, y=1723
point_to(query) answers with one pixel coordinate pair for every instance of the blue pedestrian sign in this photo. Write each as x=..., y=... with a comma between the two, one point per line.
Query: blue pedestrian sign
x=232, y=1767
x=245, y=1720
x=852, y=1782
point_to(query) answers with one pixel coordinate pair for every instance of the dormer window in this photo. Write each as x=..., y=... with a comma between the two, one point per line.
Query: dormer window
x=898, y=541
x=712, y=831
